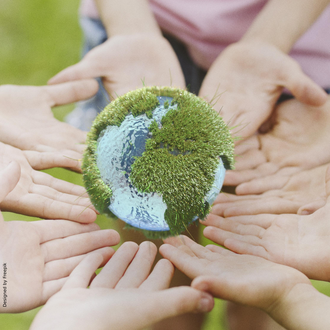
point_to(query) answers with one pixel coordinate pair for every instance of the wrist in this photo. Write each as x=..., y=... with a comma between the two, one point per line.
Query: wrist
x=303, y=307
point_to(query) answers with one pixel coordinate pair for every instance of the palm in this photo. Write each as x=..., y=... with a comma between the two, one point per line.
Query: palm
x=291, y=194
x=40, y=255
x=251, y=77
x=127, y=63
x=293, y=145
x=27, y=121
x=244, y=279
x=39, y=194
x=292, y=240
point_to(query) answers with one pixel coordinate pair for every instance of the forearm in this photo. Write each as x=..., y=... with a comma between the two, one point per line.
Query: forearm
x=282, y=22
x=303, y=308
x=127, y=17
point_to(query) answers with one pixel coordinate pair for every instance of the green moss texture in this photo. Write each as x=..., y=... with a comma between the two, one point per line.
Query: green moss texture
x=180, y=159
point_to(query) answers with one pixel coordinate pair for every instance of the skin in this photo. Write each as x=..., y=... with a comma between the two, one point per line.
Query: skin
x=39, y=194
x=265, y=161
x=299, y=241
x=40, y=255
x=296, y=193
x=283, y=292
x=122, y=296
x=27, y=121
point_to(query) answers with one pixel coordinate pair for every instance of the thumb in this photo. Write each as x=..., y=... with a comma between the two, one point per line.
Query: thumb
x=70, y=92
x=311, y=207
x=305, y=89
x=178, y=301
x=86, y=68
x=9, y=178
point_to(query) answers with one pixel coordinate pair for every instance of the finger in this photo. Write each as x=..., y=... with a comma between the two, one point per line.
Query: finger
x=199, y=250
x=81, y=275
x=70, y=92
x=49, y=288
x=251, y=143
x=9, y=178
x=53, y=229
x=219, y=250
x=46, y=160
x=160, y=278
x=43, y=207
x=62, y=186
x=264, y=205
x=79, y=244
x=113, y=271
x=327, y=182
x=311, y=207
x=234, y=178
x=212, y=284
x=175, y=302
x=186, y=263
x=57, y=269
x=244, y=247
x=261, y=185
x=140, y=267
x=305, y=89
x=260, y=220
x=219, y=236
x=252, y=159
x=84, y=69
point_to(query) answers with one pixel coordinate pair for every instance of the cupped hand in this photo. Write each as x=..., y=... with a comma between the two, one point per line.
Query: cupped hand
x=246, y=80
x=292, y=195
x=127, y=62
x=298, y=141
x=242, y=279
x=299, y=241
x=39, y=194
x=39, y=256
x=123, y=296
x=27, y=122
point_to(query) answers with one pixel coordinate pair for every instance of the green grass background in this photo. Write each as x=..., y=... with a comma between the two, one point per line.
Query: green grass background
x=39, y=38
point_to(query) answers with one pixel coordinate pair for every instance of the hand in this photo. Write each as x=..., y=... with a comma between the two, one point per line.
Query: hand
x=39, y=194
x=39, y=255
x=246, y=80
x=122, y=296
x=27, y=121
x=242, y=279
x=298, y=141
x=127, y=62
x=292, y=195
x=299, y=241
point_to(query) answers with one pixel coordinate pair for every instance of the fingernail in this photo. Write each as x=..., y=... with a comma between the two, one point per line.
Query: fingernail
x=305, y=212
x=206, y=303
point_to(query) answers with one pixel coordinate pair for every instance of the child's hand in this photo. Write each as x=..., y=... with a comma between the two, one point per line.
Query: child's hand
x=251, y=76
x=27, y=122
x=127, y=62
x=242, y=279
x=299, y=241
x=291, y=195
x=298, y=141
x=39, y=255
x=122, y=296
x=39, y=194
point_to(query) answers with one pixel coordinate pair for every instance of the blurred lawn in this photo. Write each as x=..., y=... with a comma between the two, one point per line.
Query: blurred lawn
x=38, y=39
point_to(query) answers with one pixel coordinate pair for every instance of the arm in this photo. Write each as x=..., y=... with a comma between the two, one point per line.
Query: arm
x=283, y=292
x=127, y=17
x=135, y=54
x=282, y=22
x=253, y=71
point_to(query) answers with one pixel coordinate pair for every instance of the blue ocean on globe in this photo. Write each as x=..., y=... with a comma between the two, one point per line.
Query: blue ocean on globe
x=117, y=148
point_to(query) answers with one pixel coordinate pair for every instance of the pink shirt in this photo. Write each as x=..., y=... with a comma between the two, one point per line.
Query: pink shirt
x=206, y=27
